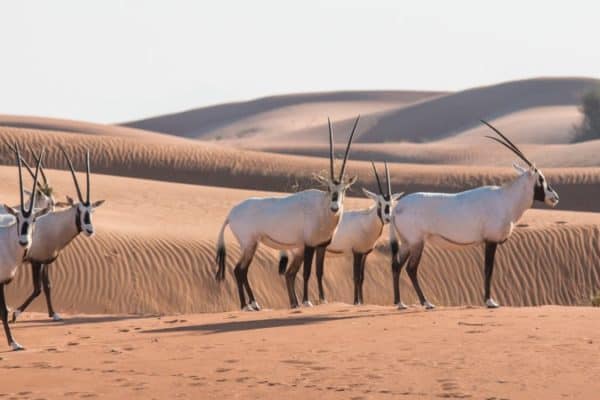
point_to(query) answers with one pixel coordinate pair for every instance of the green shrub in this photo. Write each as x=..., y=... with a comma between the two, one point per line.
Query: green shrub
x=589, y=129
x=595, y=299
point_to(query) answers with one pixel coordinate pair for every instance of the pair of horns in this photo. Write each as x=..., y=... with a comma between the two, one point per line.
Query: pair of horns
x=27, y=212
x=331, y=152
x=87, y=176
x=387, y=178
x=28, y=168
x=506, y=142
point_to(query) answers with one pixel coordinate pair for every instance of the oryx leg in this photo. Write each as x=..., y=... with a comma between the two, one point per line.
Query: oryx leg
x=308, y=258
x=362, y=278
x=490, y=253
x=4, y=315
x=290, y=278
x=240, y=271
x=399, y=257
x=416, y=251
x=48, y=293
x=320, y=265
x=36, y=270
x=358, y=259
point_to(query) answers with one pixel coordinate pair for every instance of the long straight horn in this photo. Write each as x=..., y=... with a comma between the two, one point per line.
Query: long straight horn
x=507, y=143
x=387, y=178
x=72, y=173
x=87, y=177
x=377, y=177
x=35, y=182
x=348, y=149
x=331, y=155
x=36, y=158
x=24, y=163
x=18, y=155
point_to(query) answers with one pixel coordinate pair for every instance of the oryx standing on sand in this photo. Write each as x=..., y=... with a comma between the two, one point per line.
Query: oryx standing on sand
x=54, y=231
x=486, y=214
x=305, y=220
x=15, y=238
x=357, y=234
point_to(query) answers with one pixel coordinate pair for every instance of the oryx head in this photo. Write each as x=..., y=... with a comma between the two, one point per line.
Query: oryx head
x=542, y=191
x=337, y=185
x=84, y=207
x=385, y=201
x=26, y=216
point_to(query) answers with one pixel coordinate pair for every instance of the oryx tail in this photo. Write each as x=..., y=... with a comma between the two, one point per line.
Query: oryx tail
x=221, y=253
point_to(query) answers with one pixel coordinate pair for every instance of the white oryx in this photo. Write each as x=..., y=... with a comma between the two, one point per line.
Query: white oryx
x=486, y=214
x=53, y=232
x=305, y=220
x=357, y=234
x=15, y=238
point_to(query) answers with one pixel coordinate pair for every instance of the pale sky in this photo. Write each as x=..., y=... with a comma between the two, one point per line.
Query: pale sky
x=112, y=61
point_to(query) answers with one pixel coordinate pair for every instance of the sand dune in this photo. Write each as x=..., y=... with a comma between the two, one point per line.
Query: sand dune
x=270, y=116
x=64, y=125
x=210, y=164
x=329, y=352
x=154, y=254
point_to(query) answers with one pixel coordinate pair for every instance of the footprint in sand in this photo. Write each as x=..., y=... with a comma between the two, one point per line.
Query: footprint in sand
x=522, y=225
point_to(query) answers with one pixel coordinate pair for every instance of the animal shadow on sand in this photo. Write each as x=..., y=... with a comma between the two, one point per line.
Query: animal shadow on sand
x=235, y=326
x=96, y=319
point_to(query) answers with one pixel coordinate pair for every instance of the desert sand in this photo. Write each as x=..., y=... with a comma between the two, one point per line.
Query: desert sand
x=145, y=317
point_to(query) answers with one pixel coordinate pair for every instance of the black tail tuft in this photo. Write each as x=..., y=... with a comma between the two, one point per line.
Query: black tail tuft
x=283, y=262
x=220, y=275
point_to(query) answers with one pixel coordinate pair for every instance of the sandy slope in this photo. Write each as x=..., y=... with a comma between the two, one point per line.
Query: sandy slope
x=330, y=352
x=276, y=114
x=155, y=246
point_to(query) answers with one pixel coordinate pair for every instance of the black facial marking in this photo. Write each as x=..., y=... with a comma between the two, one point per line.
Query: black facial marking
x=538, y=191
x=86, y=218
x=24, y=228
x=387, y=209
x=334, y=196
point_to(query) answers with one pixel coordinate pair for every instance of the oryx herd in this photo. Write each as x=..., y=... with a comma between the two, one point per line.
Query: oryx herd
x=301, y=226
x=314, y=221
x=38, y=233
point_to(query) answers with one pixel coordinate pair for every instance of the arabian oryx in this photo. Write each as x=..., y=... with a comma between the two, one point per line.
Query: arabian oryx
x=305, y=220
x=54, y=231
x=486, y=215
x=15, y=238
x=357, y=234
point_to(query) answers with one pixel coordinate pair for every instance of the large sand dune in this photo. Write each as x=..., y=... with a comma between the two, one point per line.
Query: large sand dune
x=155, y=246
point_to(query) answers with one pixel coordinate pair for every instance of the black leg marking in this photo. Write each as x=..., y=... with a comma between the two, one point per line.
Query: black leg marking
x=362, y=278
x=241, y=275
x=320, y=265
x=47, y=288
x=36, y=269
x=490, y=253
x=358, y=257
x=308, y=258
x=4, y=315
x=290, y=279
x=413, y=266
x=237, y=272
x=398, y=261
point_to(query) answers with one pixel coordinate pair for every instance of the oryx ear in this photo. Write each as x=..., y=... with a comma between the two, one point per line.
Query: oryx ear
x=321, y=179
x=521, y=170
x=41, y=212
x=11, y=210
x=351, y=181
x=370, y=194
x=397, y=196
x=70, y=200
x=97, y=203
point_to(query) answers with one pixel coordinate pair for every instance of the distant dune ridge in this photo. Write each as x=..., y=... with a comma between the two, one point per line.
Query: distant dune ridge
x=169, y=184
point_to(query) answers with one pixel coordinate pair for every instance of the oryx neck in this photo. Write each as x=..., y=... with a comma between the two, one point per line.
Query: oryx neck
x=520, y=195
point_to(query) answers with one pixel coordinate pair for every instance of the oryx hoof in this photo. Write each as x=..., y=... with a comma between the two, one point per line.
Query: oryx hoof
x=254, y=305
x=401, y=306
x=247, y=307
x=15, y=315
x=56, y=318
x=358, y=303
x=16, y=346
x=323, y=301
x=428, y=305
x=307, y=303
x=490, y=303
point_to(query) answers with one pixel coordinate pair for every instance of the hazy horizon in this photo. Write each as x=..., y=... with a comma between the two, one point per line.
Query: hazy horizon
x=115, y=61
